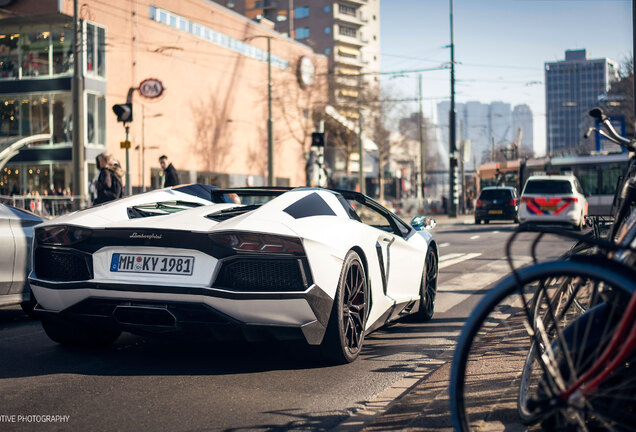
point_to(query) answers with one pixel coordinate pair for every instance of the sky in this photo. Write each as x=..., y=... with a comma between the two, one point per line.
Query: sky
x=500, y=47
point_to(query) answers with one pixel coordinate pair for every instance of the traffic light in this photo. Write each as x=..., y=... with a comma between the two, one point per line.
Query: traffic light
x=124, y=112
x=318, y=139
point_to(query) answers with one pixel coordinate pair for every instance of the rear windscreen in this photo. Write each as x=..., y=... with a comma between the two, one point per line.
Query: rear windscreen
x=548, y=187
x=501, y=194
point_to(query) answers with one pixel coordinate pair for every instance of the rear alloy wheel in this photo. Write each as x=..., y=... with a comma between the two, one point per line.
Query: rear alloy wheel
x=428, y=288
x=78, y=334
x=345, y=332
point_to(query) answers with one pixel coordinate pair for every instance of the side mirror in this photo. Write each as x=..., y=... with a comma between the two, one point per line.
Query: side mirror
x=423, y=222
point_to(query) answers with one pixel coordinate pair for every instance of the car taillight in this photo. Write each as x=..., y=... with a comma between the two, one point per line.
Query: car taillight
x=63, y=235
x=256, y=242
x=571, y=199
x=513, y=202
x=478, y=203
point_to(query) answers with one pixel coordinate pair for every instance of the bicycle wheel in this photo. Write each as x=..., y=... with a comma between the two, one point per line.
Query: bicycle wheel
x=524, y=344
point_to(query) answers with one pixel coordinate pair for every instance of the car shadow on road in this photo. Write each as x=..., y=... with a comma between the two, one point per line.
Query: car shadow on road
x=136, y=356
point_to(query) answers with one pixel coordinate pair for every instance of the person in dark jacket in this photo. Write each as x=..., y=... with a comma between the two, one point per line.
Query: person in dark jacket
x=170, y=177
x=108, y=184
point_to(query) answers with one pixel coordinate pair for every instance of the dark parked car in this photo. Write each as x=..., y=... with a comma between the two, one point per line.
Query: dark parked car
x=497, y=203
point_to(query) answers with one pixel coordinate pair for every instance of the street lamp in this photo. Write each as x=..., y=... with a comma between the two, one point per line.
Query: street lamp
x=271, y=180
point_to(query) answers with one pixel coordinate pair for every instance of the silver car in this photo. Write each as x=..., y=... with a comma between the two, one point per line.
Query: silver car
x=16, y=235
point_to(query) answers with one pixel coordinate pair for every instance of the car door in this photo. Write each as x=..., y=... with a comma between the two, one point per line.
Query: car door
x=7, y=254
x=399, y=260
x=23, y=240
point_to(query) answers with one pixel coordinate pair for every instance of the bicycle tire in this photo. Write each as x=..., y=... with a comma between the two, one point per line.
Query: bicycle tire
x=489, y=400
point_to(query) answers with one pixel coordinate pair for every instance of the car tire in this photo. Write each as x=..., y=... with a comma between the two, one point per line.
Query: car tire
x=79, y=334
x=428, y=287
x=579, y=226
x=346, y=329
x=477, y=221
x=486, y=221
x=29, y=305
x=516, y=220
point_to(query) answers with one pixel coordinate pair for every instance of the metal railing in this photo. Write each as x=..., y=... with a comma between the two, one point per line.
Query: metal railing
x=44, y=206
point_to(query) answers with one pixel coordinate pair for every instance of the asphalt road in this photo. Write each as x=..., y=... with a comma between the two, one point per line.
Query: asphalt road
x=141, y=384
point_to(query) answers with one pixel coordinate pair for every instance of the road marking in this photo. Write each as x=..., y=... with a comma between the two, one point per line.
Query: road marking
x=475, y=237
x=456, y=260
x=444, y=244
x=458, y=289
x=496, y=232
x=450, y=256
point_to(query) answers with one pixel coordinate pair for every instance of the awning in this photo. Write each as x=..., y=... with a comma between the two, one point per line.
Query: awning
x=347, y=50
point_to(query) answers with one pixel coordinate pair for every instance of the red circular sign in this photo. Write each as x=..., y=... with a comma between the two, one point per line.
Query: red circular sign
x=151, y=88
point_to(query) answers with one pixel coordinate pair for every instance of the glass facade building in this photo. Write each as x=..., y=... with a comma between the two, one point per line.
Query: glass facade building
x=36, y=68
x=573, y=86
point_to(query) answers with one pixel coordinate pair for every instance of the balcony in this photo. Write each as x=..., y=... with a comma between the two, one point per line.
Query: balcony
x=351, y=40
x=348, y=18
x=349, y=61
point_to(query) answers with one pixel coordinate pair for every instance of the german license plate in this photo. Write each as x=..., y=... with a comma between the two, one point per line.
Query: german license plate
x=495, y=212
x=549, y=208
x=158, y=264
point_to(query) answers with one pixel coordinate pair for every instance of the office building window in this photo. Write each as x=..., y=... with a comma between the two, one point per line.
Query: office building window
x=95, y=119
x=35, y=53
x=301, y=12
x=327, y=51
x=347, y=31
x=302, y=33
x=347, y=10
x=327, y=9
x=327, y=30
x=9, y=55
x=62, y=41
x=95, y=63
x=62, y=114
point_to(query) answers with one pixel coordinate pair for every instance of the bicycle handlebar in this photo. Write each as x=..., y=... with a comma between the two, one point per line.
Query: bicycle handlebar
x=609, y=132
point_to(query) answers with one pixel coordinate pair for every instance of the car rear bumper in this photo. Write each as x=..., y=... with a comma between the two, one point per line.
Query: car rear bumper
x=571, y=217
x=506, y=213
x=220, y=314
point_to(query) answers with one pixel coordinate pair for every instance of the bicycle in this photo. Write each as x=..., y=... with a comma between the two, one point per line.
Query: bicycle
x=521, y=355
x=559, y=336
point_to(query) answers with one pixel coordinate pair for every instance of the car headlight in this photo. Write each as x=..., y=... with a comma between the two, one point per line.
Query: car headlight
x=63, y=235
x=256, y=242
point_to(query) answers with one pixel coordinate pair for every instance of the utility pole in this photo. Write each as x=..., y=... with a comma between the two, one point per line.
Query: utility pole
x=462, y=149
x=78, y=112
x=360, y=147
x=420, y=120
x=452, y=203
x=271, y=179
x=270, y=121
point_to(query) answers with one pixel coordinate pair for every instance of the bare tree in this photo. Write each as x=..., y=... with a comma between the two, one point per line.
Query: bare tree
x=211, y=143
x=299, y=108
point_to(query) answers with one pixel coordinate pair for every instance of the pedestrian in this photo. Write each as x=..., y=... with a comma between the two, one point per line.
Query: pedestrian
x=108, y=184
x=170, y=177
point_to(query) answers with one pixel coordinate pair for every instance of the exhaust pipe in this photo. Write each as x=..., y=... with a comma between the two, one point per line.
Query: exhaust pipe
x=155, y=316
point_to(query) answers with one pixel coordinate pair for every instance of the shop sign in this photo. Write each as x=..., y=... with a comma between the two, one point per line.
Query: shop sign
x=151, y=88
x=305, y=72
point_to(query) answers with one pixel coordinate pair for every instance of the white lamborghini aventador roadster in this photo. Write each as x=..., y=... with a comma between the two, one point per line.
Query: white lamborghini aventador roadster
x=323, y=266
